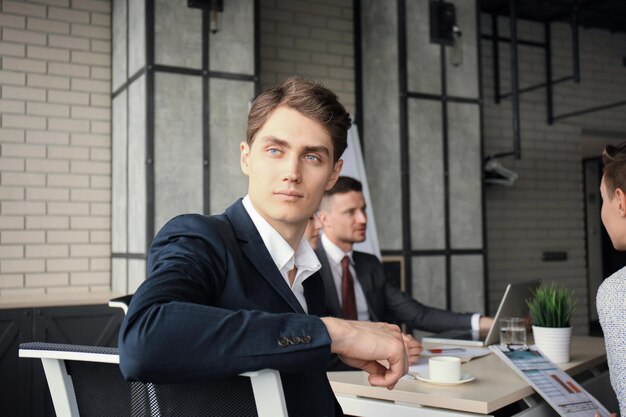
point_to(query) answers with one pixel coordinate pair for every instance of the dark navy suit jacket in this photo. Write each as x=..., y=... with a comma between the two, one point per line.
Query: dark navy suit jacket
x=214, y=304
x=385, y=302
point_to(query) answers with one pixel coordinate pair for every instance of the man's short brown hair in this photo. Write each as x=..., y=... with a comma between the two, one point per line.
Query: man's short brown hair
x=614, y=159
x=344, y=185
x=309, y=98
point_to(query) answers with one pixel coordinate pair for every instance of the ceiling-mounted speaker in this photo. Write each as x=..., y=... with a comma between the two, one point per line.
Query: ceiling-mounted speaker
x=442, y=22
x=213, y=5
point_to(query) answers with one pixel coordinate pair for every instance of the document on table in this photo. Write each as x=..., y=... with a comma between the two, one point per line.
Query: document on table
x=466, y=354
x=564, y=394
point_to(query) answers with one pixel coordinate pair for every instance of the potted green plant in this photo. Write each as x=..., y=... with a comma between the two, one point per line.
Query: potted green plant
x=551, y=307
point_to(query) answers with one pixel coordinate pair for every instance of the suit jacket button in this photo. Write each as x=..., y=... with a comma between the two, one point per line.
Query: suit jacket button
x=306, y=339
x=295, y=340
x=283, y=341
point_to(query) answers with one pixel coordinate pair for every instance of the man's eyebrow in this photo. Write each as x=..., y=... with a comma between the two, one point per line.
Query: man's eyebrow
x=284, y=143
x=319, y=149
x=276, y=141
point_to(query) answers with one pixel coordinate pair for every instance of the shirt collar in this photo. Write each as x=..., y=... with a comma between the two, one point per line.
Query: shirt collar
x=282, y=253
x=334, y=252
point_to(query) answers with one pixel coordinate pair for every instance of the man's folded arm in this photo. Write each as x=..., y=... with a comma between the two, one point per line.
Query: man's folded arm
x=179, y=342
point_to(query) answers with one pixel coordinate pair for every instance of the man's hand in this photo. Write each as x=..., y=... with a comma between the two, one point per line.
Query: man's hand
x=413, y=348
x=361, y=344
x=484, y=324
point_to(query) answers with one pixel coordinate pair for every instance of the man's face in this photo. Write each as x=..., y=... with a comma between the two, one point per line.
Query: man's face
x=611, y=217
x=344, y=220
x=289, y=166
x=312, y=232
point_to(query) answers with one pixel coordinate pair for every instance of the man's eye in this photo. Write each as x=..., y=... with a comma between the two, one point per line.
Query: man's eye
x=312, y=158
x=273, y=151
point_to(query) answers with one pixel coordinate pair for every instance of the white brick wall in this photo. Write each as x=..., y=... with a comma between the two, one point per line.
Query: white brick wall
x=309, y=38
x=544, y=211
x=54, y=147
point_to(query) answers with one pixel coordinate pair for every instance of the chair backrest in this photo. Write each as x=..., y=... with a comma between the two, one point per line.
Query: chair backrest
x=86, y=381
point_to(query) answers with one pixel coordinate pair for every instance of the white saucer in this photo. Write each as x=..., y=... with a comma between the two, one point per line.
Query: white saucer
x=425, y=377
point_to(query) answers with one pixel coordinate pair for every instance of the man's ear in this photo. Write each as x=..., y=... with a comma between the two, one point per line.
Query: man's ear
x=621, y=199
x=322, y=216
x=245, y=156
x=334, y=175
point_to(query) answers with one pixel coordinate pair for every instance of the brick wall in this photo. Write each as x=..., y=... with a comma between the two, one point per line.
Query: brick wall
x=544, y=211
x=55, y=146
x=312, y=39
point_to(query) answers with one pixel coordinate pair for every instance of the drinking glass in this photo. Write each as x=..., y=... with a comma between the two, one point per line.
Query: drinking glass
x=513, y=331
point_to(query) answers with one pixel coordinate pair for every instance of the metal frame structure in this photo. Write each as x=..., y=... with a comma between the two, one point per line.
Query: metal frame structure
x=514, y=41
x=150, y=69
x=407, y=252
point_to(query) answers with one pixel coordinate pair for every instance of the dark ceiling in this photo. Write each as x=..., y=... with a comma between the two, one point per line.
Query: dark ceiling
x=600, y=14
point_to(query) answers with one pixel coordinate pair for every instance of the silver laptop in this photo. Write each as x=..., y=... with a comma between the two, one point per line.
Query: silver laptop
x=513, y=304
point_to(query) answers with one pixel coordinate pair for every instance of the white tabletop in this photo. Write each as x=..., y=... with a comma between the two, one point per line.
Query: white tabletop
x=496, y=385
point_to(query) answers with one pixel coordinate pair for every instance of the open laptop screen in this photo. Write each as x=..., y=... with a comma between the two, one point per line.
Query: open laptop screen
x=512, y=304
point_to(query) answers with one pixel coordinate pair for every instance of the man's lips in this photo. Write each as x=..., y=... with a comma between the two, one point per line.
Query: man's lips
x=289, y=194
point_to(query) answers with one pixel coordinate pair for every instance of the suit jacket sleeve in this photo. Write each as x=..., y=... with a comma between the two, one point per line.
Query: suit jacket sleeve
x=191, y=319
x=408, y=310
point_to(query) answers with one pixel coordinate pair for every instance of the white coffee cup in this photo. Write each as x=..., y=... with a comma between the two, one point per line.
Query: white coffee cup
x=444, y=368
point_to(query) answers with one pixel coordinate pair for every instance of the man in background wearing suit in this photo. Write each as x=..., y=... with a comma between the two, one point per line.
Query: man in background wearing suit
x=240, y=291
x=355, y=282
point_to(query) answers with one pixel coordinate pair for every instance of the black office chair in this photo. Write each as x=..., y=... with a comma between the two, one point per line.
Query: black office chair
x=86, y=381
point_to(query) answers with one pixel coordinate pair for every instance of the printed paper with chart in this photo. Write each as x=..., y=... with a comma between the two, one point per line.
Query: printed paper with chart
x=564, y=394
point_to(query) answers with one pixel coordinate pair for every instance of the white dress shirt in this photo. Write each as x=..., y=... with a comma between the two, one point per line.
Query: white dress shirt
x=283, y=255
x=335, y=255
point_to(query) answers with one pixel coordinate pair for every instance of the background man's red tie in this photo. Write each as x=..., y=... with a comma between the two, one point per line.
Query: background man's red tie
x=348, y=301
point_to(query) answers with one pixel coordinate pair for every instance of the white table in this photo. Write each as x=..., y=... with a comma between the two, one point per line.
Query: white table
x=496, y=386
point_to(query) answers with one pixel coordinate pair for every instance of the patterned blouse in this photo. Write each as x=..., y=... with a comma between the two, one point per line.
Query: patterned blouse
x=611, y=304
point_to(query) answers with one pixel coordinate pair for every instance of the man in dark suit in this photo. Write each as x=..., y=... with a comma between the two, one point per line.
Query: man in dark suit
x=240, y=291
x=355, y=283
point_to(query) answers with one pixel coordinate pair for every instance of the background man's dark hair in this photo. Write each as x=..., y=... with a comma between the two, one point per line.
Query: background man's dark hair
x=614, y=159
x=345, y=185
x=309, y=98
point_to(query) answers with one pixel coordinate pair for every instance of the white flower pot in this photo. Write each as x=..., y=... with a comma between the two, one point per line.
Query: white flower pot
x=554, y=342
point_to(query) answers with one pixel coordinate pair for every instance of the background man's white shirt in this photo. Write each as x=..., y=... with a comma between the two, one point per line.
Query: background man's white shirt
x=335, y=255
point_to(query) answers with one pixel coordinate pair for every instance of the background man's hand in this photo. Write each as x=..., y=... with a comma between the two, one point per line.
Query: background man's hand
x=484, y=324
x=413, y=348
x=361, y=344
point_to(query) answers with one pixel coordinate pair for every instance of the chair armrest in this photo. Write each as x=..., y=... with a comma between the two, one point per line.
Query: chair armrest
x=268, y=392
x=69, y=352
x=121, y=302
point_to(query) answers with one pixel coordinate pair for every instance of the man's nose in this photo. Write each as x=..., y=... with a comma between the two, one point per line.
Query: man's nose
x=361, y=216
x=292, y=169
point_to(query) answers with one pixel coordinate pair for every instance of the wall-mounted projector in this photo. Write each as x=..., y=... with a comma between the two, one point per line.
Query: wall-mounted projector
x=495, y=173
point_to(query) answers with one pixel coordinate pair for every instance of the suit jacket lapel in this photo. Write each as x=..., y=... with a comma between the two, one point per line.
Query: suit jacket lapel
x=254, y=249
x=332, y=300
x=365, y=279
x=314, y=294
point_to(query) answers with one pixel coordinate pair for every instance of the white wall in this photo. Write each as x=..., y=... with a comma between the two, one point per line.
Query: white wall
x=55, y=147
